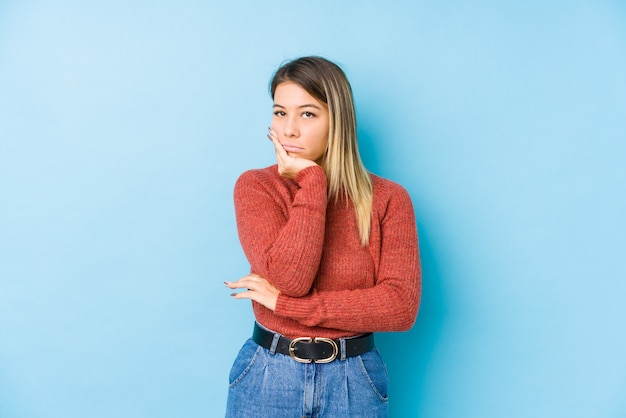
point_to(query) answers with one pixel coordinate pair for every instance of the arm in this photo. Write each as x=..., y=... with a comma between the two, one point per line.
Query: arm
x=282, y=236
x=391, y=304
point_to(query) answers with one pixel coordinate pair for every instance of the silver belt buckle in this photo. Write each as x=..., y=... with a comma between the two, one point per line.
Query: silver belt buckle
x=292, y=349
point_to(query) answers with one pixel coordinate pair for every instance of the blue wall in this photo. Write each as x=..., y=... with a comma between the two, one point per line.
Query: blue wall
x=123, y=128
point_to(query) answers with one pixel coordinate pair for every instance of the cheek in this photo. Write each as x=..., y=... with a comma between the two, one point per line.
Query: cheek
x=323, y=137
x=324, y=130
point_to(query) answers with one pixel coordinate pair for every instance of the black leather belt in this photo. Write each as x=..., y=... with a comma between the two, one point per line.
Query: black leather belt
x=317, y=350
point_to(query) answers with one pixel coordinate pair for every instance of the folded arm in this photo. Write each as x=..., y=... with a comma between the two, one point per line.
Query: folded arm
x=282, y=231
x=391, y=304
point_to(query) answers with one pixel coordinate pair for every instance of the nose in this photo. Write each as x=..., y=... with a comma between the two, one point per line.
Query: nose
x=290, y=128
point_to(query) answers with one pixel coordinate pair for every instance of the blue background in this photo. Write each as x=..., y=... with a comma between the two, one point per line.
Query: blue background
x=124, y=126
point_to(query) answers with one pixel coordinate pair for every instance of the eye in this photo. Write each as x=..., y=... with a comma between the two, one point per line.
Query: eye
x=308, y=115
x=279, y=113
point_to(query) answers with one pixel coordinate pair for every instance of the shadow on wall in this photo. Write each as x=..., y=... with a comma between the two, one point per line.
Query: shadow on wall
x=408, y=354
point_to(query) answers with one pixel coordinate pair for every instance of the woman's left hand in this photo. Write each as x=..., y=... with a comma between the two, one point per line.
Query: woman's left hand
x=257, y=288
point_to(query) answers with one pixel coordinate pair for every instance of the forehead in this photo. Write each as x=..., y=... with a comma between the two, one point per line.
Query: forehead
x=291, y=94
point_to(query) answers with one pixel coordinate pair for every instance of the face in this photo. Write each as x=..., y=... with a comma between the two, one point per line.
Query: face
x=300, y=122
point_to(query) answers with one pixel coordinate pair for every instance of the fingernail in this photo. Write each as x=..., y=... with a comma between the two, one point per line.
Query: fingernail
x=233, y=294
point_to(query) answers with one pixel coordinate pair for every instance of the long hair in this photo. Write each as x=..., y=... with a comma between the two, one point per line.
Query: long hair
x=326, y=82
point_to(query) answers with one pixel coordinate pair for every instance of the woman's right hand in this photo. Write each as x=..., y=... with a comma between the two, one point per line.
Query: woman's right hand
x=288, y=166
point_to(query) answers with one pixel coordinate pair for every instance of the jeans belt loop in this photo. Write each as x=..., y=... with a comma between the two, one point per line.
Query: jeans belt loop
x=342, y=349
x=274, y=343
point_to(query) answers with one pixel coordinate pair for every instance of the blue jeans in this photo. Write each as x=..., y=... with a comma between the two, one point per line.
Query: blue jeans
x=266, y=385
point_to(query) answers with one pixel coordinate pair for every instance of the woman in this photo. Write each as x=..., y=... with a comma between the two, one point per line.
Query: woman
x=333, y=255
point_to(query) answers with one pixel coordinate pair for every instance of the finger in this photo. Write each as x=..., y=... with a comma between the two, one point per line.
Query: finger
x=252, y=277
x=244, y=283
x=271, y=134
x=239, y=284
x=280, y=151
x=246, y=294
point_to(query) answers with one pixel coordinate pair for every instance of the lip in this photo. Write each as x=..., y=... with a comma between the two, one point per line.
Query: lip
x=292, y=148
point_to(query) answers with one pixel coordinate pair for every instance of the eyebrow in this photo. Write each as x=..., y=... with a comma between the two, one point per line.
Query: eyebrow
x=300, y=107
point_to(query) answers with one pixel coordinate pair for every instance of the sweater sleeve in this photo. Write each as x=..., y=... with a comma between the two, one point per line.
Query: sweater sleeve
x=391, y=304
x=282, y=238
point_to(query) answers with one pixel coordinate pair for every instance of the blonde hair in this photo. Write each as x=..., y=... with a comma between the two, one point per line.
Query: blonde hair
x=342, y=163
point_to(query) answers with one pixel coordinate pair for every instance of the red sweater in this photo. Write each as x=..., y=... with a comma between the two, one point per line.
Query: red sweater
x=309, y=248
